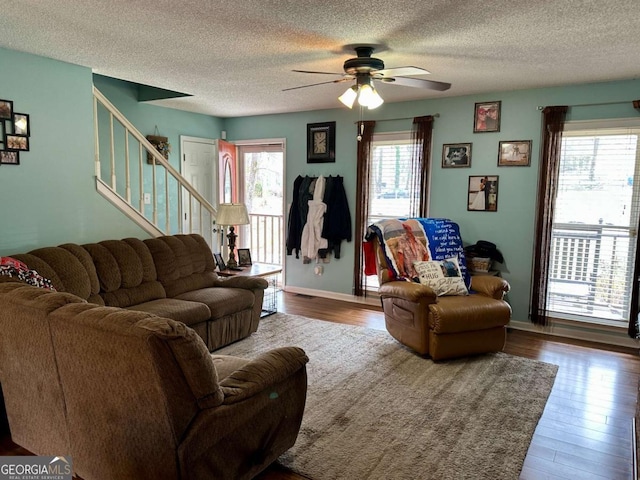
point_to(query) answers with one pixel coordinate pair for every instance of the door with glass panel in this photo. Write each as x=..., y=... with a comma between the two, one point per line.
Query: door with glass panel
x=261, y=168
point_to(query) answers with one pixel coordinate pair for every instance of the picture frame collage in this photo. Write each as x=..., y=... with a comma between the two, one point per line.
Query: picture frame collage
x=482, y=190
x=15, y=130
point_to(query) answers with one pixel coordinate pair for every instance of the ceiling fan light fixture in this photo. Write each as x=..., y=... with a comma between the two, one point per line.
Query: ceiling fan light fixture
x=376, y=100
x=365, y=95
x=349, y=97
x=369, y=97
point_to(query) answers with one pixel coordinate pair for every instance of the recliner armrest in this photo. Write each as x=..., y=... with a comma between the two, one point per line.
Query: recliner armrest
x=411, y=291
x=490, y=286
x=247, y=283
x=261, y=373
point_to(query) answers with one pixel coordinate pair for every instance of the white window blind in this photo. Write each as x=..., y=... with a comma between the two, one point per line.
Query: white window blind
x=595, y=224
x=391, y=187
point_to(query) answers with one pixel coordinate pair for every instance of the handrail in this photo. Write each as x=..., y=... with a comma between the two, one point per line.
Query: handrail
x=152, y=150
x=181, y=186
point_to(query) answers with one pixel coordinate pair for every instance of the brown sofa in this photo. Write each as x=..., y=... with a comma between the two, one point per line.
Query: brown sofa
x=129, y=394
x=172, y=276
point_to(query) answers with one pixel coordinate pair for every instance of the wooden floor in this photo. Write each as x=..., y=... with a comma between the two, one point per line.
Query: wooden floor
x=586, y=429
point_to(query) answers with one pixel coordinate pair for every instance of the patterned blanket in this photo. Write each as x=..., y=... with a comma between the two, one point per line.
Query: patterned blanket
x=408, y=240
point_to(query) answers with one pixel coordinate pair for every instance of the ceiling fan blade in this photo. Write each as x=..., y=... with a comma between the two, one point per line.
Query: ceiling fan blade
x=340, y=80
x=402, y=72
x=321, y=73
x=416, y=82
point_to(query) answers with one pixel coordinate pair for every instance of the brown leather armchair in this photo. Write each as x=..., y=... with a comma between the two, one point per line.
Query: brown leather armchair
x=446, y=326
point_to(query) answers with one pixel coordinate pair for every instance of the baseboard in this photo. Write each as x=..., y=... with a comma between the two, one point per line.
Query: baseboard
x=370, y=299
x=634, y=446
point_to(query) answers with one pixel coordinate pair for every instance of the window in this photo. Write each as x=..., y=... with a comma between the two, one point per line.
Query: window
x=390, y=192
x=391, y=189
x=595, y=223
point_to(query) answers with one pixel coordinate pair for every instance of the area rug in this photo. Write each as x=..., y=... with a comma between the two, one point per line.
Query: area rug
x=375, y=410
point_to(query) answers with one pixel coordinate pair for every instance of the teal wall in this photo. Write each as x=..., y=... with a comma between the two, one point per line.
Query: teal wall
x=51, y=199
x=511, y=227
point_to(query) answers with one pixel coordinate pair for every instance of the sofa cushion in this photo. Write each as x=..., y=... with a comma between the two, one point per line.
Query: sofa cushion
x=183, y=262
x=473, y=312
x=221, y=301
x=189, y=313
x=69, y=268
x=126, y=272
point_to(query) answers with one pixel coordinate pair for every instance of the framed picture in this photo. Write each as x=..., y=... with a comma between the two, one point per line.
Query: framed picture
x=514, y=153
x=219, y=261
x=16, y=142
x=21, y=124
x=244, y=257
x=9, y=157
x=483, y=193
x=6, y=109
x=321, y=142
x=456, y=155
x=486, y=117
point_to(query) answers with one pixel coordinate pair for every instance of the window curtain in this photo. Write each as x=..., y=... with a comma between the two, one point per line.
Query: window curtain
x=553, y=119
x=421, y=134
x=634, y=324
x=365, y=135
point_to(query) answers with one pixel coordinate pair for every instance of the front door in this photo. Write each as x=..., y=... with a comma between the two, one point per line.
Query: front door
x=199, y=166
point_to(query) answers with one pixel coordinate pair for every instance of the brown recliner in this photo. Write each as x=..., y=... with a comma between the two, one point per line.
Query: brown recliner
x=446, y=326
x=130, y=395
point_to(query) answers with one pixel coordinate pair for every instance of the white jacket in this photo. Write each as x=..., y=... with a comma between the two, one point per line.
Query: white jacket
x=312, y=239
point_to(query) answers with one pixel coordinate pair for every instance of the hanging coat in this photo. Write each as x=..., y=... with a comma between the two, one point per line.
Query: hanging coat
x=312, y=240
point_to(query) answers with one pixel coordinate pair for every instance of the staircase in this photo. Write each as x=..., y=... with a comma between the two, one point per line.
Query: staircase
x=138, y=180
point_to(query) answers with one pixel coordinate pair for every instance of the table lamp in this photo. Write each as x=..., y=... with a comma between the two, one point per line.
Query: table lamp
x=231, y=214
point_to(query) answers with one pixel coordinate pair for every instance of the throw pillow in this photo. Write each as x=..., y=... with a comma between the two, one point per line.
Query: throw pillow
x=13, y=268
x=12, y=262
x=444, y=276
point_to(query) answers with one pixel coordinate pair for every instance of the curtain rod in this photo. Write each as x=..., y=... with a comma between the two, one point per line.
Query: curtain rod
x=401, y=118
x=593, y=104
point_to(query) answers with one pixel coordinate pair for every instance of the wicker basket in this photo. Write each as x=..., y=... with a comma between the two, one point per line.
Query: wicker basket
x=480, y=264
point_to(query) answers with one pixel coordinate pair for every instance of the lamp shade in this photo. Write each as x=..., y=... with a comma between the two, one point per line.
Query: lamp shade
x=348, y=97
x=232, y=214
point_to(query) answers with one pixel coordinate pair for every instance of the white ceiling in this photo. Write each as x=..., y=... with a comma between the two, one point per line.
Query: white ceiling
x=236, y=57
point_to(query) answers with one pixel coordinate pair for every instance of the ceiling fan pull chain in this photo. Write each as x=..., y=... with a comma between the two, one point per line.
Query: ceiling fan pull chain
x=359, y=137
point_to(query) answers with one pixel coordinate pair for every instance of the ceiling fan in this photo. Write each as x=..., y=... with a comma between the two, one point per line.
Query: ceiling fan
x=365, y=69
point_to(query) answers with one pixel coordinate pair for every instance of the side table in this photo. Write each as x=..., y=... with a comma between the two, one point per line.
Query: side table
x=270, y=273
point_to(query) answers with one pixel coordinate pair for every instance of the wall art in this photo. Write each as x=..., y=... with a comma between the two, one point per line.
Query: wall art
x=482, y=194
x=514, y=153
x=456, y=155
x=486, y=117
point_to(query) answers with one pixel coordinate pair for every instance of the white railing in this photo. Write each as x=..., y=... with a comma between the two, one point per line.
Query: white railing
x=590, y=270
x=266, y=239
x=141, y=181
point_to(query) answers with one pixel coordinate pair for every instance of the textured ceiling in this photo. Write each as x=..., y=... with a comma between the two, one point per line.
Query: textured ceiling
x=235, y=58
